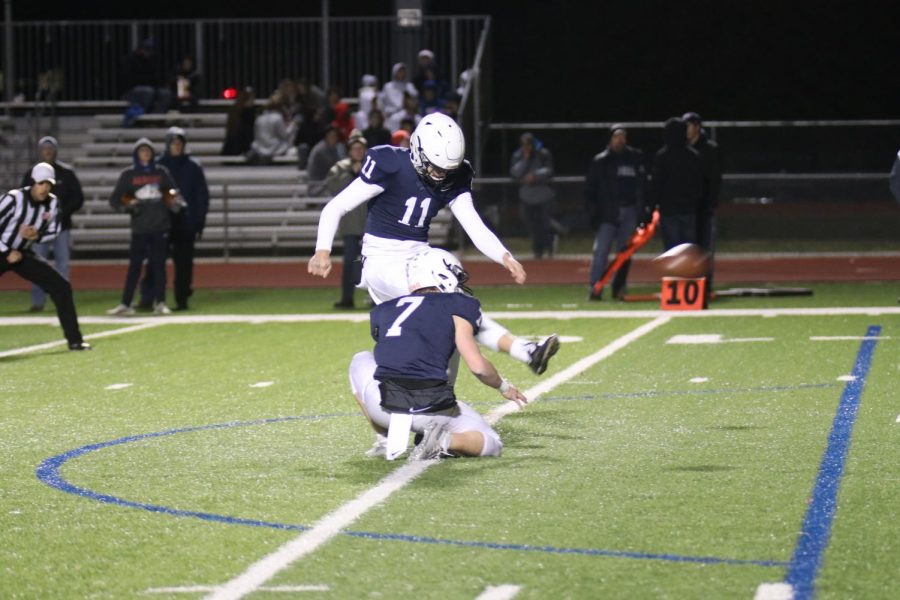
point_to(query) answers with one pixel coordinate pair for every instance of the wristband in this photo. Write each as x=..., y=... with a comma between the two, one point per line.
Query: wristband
x=505, y=385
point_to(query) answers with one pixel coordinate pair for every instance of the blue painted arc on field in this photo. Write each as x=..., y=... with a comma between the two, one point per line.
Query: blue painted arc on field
x=48, y=472
x=816, y=531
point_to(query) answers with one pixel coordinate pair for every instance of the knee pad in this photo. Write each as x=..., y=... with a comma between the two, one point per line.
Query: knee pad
x=362, y=369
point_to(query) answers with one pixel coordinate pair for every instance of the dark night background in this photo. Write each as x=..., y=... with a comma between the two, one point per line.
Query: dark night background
x=637, y=60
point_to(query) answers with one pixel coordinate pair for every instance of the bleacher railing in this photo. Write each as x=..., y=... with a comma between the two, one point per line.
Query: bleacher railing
x=81, y=60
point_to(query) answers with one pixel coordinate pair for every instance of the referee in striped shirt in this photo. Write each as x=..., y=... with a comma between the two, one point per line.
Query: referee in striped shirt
x=30, y=215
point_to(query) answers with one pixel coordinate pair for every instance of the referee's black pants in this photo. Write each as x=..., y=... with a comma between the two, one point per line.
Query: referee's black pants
x=34, y=269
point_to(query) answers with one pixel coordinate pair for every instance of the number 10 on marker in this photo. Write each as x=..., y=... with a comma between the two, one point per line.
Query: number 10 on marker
x=679, y=293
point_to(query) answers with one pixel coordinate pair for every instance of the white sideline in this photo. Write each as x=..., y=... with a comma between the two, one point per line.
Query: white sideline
x=93, y=336
x=332, y=524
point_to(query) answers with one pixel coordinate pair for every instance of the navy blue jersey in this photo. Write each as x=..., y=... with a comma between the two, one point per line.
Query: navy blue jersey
x=415, y=335
x=405, y=209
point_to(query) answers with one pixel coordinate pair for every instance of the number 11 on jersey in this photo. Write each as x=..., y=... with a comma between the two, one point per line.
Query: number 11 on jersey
x=411, y=206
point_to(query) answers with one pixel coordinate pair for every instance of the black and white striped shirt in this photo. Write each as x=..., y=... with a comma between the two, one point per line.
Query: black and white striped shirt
x=16, y=209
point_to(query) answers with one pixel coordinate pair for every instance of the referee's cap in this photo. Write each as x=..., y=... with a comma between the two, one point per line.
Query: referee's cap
x=43, y=172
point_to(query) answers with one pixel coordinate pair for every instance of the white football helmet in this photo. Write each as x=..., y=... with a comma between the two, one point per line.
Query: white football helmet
x=437, y=268
x=437, y=147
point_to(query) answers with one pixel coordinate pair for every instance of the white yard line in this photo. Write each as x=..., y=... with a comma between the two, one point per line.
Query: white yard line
x=331, y=525
x=93, y=336
x=499, y=592
x=195, y=589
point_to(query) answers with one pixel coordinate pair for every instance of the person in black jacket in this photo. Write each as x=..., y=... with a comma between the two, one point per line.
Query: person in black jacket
x=712, y=172
x=677, y=185
x=615, y=202
x=187, y=225
x=148, y=194
x=68, y=191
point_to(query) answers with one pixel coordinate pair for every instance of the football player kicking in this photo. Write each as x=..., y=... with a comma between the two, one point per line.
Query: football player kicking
x=405, y=189
x=415, y=336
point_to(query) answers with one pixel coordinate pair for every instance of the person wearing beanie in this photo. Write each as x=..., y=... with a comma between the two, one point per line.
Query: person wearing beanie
x=187, y=225
x=354, y=222
x=712, y=173
x=31, y=215
x=67, y=190
x=677, y=185
x=615, y=201
x=148, y=194
x=400, y=138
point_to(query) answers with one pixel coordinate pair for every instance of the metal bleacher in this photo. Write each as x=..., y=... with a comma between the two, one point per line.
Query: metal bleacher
x=254, y=210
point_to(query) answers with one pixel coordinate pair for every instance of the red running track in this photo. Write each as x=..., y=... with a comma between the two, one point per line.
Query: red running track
x=729, y=270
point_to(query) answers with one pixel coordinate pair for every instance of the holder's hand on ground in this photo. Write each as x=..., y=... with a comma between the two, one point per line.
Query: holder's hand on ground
x=320, y=263
x=511, y=392
x=515, y=268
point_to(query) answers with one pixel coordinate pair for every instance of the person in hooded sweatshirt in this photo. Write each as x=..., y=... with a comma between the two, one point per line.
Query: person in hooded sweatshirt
x=147, y=193
x=391, y=97
x=188, y=224
x=677, y=185
x=68, y=191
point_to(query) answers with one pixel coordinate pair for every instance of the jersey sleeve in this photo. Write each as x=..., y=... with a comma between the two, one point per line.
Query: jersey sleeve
x=381, y=163
x=469, y=308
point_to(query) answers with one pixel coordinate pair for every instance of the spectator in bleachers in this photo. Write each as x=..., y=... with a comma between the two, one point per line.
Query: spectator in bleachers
x=367, y=98
x=339, y=115
x=147, y=192
x=407, y=124
x=451, y=105
x=273, y=133
x=322, y=157
x=427, y=70
x=410, y=111
x=185, y=85
x=142, y=83
x=289, y=93
x=614, y=194
x=392, y=94
x=677, y=185
x=532, y=167
x=239, y=124
x=429, y=101
x=400, y=138
x=67, y=190
x=187, y=225
x=376, y=133
x=310, y=96
x=353, y=223
x=712, y=173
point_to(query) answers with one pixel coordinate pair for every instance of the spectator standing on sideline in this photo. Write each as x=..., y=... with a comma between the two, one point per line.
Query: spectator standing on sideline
x=239, y=124
x=145, y=191
x=677, y=185
x=712, y=173
x=376, y=133
x=895, y=178
x=187, y=225
x=273, y=133
x=391, y=98
x=322, y=158
x=353, y=224
x=532, y=167
x=614, y=194
x=142, y=83
x=67, y=190
x=30, y=215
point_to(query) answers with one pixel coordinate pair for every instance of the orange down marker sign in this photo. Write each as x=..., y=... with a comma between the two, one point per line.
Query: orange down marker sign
x=681, y=293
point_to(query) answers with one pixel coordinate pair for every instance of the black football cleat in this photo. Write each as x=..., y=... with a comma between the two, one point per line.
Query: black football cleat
x=79, y=346
x=542, y=354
